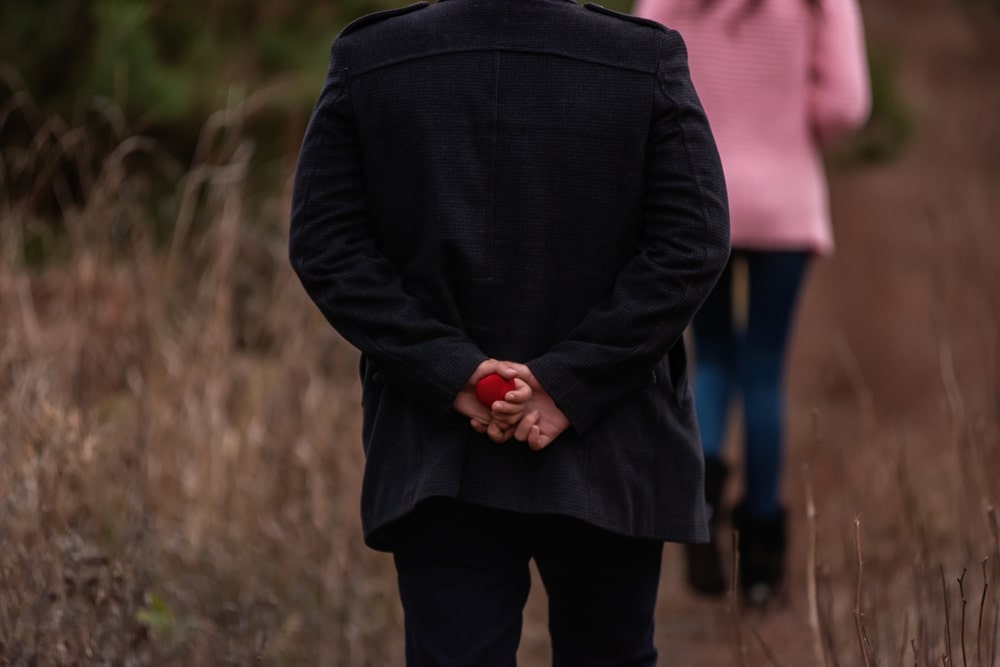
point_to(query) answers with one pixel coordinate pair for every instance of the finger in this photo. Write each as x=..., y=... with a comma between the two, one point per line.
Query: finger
x=520, y=394
x=496, y=432
x=524, y=427
x=507, y=370
x=507, y=422
x=509, y=412
x=478, y=426
x=525, y=373
x=485, y=368
x=537, y=441
x=479, y=413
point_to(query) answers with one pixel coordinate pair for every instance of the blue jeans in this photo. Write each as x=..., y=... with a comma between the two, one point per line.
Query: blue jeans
x=748, y=362
x=463, y=574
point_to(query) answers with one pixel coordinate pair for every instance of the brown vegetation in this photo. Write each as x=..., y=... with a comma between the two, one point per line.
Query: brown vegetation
x=179, y=433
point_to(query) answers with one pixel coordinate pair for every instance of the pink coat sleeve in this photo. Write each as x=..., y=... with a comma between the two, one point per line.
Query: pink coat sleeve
x=840, y=88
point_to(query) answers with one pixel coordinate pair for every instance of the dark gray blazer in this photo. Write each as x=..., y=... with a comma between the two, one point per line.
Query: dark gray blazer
x=531, y=180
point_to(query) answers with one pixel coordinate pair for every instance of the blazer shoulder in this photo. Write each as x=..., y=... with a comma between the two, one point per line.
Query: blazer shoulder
x=378, y=17
x=600, y=9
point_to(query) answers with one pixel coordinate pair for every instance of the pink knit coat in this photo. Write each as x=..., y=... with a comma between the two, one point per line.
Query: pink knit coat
x=777, y=84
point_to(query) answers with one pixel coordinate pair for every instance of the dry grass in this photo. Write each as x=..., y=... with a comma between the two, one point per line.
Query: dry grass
x=178, y=426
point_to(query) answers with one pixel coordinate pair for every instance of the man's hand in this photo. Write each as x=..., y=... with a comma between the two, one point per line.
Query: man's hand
x=538, y=420
x=499, y=427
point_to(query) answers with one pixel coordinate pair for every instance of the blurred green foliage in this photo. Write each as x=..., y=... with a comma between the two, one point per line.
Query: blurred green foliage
x=127, y=65
x=151, y=88
x=169, y=64
x=170, y=61
x=891, y=122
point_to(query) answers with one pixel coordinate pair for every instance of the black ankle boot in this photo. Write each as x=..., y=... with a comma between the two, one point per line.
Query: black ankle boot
x=705, y=573
x=762, y=543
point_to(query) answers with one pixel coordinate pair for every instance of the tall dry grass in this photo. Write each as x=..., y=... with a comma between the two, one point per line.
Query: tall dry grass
x=179, y=446
x=180, y=453
x=909, y=528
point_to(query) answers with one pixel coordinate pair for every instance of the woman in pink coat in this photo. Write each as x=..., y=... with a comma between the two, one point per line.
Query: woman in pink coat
x=779, y=79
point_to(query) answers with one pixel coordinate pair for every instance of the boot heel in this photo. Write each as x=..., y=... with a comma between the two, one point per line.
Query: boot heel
x=762, y=543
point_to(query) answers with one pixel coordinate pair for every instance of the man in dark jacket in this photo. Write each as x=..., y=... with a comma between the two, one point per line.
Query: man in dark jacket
x=532, y=181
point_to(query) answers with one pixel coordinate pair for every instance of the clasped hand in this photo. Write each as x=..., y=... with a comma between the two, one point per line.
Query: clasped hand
x=527, y=413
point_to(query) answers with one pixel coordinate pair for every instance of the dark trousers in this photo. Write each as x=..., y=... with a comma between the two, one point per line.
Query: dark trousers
x=464, y=580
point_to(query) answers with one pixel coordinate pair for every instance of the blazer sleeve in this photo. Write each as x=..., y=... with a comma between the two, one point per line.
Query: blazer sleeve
x=683, y=249
x=360, y=292
x=839, y=85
